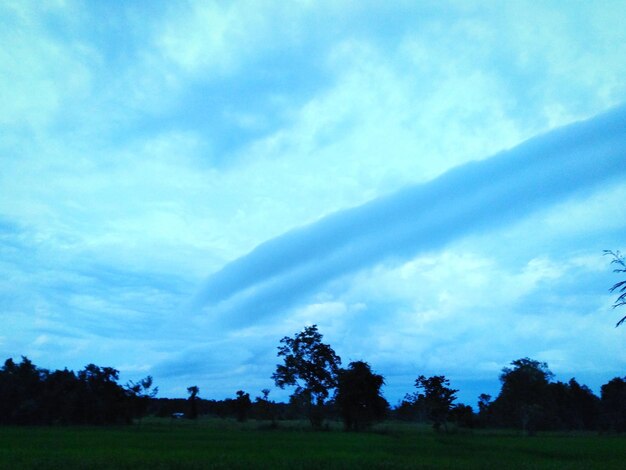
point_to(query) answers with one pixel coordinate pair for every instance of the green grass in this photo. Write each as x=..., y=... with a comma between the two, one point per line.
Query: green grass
x=157, y=444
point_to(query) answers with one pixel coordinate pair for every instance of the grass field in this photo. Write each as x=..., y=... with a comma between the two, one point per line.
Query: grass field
x=218, y=443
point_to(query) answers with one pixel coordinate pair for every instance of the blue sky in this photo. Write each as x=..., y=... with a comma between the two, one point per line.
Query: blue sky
x=184, y=183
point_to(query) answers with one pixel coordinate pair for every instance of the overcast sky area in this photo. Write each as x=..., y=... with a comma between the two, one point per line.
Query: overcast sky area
x=431, y=183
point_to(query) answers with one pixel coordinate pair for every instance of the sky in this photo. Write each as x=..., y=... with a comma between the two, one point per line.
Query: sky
x=432, y=183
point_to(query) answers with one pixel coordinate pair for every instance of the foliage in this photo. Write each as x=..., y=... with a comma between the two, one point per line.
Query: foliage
x=359, y=397
x=141, y=392
x=193, y=392
x=309, y=365
x=530, y=401
x=462, y=415
x=437, y=398
x=29, y=395
x=242, y=405
x=522, y=397
x=620, y=287
x=613, y=396
x=264, y=408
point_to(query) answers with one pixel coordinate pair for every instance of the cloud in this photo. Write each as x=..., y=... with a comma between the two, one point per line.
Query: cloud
x=470, y=198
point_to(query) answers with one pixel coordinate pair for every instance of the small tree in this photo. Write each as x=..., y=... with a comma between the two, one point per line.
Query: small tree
x=620, y=287
x=242, y=405
x=140, y=394
x=358, y=396
x=437, y=397
x=193, y=398
x=265, y=409
x=311, y=366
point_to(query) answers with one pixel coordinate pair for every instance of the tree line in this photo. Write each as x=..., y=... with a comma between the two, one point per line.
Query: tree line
x=529, y=398
x=32, y=395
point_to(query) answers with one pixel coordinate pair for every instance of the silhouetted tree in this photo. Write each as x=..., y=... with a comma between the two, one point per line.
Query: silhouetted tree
x=58, y=398
x=411, y=409
x=264, y=408
x=462, y=415
x=437, y=398
x=620, y=287
x=20, y=388
x=613, y=402
x=30, y=395
x=311, y=366
x=193, y=392
x=569, y=406
x=102, y=397
x=521, y=401
x=359, y=397
x=140, y=394
x=242, y=405
x=484, y=409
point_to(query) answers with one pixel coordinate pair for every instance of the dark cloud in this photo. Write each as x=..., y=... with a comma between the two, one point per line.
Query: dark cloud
x=478, y=196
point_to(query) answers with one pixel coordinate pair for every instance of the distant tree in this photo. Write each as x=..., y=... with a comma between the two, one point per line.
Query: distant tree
x=522, y=399
x=484, y=400
x=620, y=287
x=311, y=366
x=242, y=405
x=264, y=408
x=570, y=406
x=20, y=387
x=193, y=392
x=102, y=399
x=462, y=415
x=613, y=402
x=437, y=398
x=411, y=408
x=30, y=395
x=140, y=393
x=584, y=406
x=359, y=397
x=60, y=397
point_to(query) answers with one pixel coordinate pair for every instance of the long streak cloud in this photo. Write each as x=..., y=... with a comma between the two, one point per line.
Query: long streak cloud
x=469, y=198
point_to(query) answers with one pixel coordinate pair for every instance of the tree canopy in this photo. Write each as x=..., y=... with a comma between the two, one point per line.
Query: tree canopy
x=30, y=395
x=359, y=396
x=437, y=397
x=311, y=366
x=620, y=286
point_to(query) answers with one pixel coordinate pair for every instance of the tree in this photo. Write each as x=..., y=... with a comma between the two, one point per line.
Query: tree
x=242, y=405
x=437, y=397
x=103, y=401
x=521, y=401
x=484, y=408
x=264, y=408
x=620, y=287
x=193, y=399
x=20, y=388
x=462, y=415
x=30, y=395
x=358, y=396
x=311, y=366
x=613, y=402
x=140, y=394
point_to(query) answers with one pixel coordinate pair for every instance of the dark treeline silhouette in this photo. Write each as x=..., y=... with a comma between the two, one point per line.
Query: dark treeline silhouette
x=31, y=395
x=530, y=399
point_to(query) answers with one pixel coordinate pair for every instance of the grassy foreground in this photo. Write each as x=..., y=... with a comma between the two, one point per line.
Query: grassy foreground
x=224, y=444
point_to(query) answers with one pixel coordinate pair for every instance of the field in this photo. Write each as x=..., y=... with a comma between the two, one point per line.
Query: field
x=218, y=443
